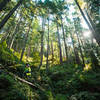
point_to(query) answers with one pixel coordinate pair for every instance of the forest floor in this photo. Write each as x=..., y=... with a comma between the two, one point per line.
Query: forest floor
x=63, y=82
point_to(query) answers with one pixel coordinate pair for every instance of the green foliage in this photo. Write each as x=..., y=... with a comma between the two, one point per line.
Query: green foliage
x=63, y=82
x=6, y=55
x=73, y=80
x=5, y=81
x=8, y=90
x=36, y=58
x=92, y=78
x=49, y=94
x=61, y=97
x=84, y=95
x=18, y=69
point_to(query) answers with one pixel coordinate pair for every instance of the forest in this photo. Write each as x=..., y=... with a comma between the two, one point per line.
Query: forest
x=49, y=49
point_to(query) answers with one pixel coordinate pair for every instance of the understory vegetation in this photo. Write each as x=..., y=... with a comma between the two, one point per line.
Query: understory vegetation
x=63, y=82
x=49, y=50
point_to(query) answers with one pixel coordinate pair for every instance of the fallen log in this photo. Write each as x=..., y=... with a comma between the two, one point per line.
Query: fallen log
x=36, y=86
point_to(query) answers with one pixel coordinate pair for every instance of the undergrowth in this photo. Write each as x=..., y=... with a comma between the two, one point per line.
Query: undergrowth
x=63, y=82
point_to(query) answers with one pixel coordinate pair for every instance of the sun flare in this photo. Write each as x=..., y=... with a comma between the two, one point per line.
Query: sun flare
x=87, y=34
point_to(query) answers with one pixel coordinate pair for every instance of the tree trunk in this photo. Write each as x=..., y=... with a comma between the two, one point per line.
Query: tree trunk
x=15, y=32
x=47, y=48
x=3, y=22
x=42, y=45
x=5, y=36
x=77, y=59
x=90, y=20
x=52, y=51
x=90, y=27
x=82, y=56
x=3, y=4
x=94, y=60
x=82, y=41
x=97, y=33
x=25, y=42
x=8, y=31
x=28, y=51
x=64, y=38
x=17, y=47
x=59, y=44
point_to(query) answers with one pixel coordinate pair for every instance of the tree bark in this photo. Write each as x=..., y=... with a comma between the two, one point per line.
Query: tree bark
x=59, y=44
x=82, y=56
x=94, y=60
x=64, y=38
x=90, y=27
x=5, y=36
x=42, y=45
x=8, y=31
x=3, y=4
x=77, y=59
x=52, y=51
x=47, y=48
x=3, y=22
x=15, y=32
x=97, y=32
x=25, y=41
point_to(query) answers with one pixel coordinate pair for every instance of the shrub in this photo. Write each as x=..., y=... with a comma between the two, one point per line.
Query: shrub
x=84, y=95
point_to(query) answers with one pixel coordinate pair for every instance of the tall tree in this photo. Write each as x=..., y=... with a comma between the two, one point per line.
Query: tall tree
x=82, y=56
x=3, y=3
x=77, y=30
x=42, y=38
x=77, y=59
x=93, y=25
x=25, y=41
x=52, y=50
x=59, y=42
x=4, y=37
x=90, y=27
x=47, y=48
x=3, y=22
x=15, y=31
x=64, y=38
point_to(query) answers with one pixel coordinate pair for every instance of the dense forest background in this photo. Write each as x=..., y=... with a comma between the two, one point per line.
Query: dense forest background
x=60, y=39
